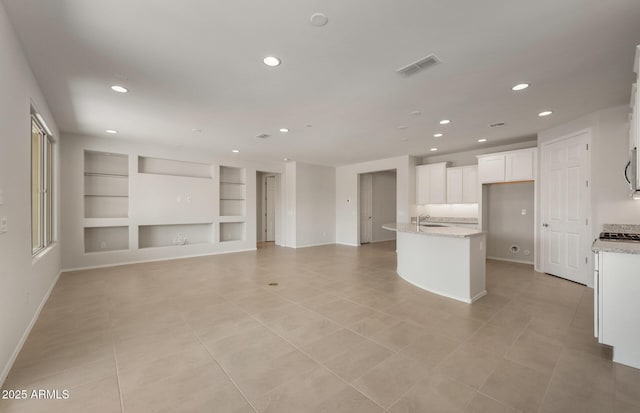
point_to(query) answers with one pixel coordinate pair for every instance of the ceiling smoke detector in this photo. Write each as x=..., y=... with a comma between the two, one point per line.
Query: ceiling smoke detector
x=318, y=19
x=419, y=65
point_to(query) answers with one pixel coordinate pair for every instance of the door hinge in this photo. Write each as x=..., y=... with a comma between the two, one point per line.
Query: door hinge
x=587, y=146
x=587, y=183
x=586, y=221
x=586, y=260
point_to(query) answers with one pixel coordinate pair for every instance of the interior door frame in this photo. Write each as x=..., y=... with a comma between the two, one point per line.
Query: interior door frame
x=265, y=209
x=369, y=222
x=588, y=210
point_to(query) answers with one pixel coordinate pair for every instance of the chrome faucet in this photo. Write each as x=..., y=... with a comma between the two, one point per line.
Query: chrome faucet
x=419, y=220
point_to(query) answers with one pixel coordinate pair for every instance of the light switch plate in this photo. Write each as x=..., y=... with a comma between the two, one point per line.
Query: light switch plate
x=1, y=196
x=4, y=223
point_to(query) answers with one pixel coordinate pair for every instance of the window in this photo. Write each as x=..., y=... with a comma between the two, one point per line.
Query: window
x=41, y=185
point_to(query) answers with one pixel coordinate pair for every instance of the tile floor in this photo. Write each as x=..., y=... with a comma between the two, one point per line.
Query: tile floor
x=341, y=332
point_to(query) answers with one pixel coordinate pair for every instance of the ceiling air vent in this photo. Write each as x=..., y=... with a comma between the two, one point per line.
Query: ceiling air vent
x=419, y=65
x=496, y=125
x=263, y=136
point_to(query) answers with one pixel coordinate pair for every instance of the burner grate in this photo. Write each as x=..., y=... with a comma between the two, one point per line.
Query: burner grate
x=620, y=236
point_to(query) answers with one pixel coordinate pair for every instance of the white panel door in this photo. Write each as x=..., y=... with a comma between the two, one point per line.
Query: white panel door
x=565, y=201
x=491, y=169
x=366, y=208
x=470, y=184
x=270, y=207
x=454, y=185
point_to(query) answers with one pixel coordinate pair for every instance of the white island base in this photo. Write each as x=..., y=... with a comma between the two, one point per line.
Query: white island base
x=451, y=265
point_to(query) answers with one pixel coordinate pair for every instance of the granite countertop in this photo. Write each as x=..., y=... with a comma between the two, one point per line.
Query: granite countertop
x=622, y=247
x=435, y=231
x=448, y=220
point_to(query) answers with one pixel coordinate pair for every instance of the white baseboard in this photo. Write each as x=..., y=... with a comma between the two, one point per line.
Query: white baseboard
x=314, y=245
x=347, y=244
x=119, y=264
x=23, y=339
x=510, y=260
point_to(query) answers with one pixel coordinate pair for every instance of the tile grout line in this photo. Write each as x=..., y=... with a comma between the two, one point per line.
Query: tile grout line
x=316, y=361
x=227, y=374
x=115, y=359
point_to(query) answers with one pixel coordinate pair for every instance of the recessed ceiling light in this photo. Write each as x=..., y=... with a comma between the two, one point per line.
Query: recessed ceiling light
x=196, y=130
x=235, y=151
x=319, y=19
x=119, y=89
x=271, y=61
x=111, y=131
x=545, y=113
x=433, y=149
x=445, y=122
x=285, y=159
x=415, y=113
x=284, y=130
x=437, y=135
x=520, y=86
x=482, y=140
x=402, y=127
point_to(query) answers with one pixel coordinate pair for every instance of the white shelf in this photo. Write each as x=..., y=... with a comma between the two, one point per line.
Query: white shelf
x=232, y=191
x=106, y=185
x=176, y=235
x=157, y=166
x=232, y=218
x=232, y=231
x=106, y=239
x=105, y=222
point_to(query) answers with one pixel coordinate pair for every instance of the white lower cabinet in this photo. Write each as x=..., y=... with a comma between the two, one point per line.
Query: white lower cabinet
x=617, y=305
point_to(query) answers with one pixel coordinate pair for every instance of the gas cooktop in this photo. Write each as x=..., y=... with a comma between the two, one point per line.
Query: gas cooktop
x=619, y=236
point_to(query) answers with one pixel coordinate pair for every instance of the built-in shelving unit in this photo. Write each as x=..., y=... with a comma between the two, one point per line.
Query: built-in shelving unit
x=104, y=239
x=232, y=231
x=232, y=191
x=233, y=194
x=106, y=185
x=157, y=166
x=152, y=236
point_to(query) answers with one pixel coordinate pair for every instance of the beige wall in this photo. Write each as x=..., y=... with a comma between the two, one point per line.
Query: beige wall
x=25, y=281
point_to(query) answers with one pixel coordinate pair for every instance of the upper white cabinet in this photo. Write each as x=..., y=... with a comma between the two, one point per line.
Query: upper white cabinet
x=491, y=168
x=462, y=185
x=507, y=166
x=470, y=184
x=454, y=185
x=431, y=183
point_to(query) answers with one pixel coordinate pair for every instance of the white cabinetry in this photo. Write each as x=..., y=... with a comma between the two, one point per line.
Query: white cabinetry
x=462, y=185
x=616, y=304
x=431, y=183
x=510, y=166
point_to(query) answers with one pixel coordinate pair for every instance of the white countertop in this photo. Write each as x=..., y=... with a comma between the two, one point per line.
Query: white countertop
x=620, y=247
x=457, y=232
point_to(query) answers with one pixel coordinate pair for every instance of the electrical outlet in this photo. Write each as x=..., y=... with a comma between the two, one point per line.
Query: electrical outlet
x=103, y=244
x=188, y=199
x=524, y=211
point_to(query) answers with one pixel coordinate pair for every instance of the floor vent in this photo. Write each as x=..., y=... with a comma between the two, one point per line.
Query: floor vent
x=419, y=65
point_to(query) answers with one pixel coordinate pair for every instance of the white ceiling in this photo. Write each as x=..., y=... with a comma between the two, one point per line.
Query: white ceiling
x=197, y=64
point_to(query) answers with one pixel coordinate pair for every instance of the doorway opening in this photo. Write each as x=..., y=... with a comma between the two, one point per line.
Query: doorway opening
x=268, y=208
x=377, y=206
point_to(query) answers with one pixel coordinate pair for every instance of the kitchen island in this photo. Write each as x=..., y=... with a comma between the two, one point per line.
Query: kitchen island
x=445, y=260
